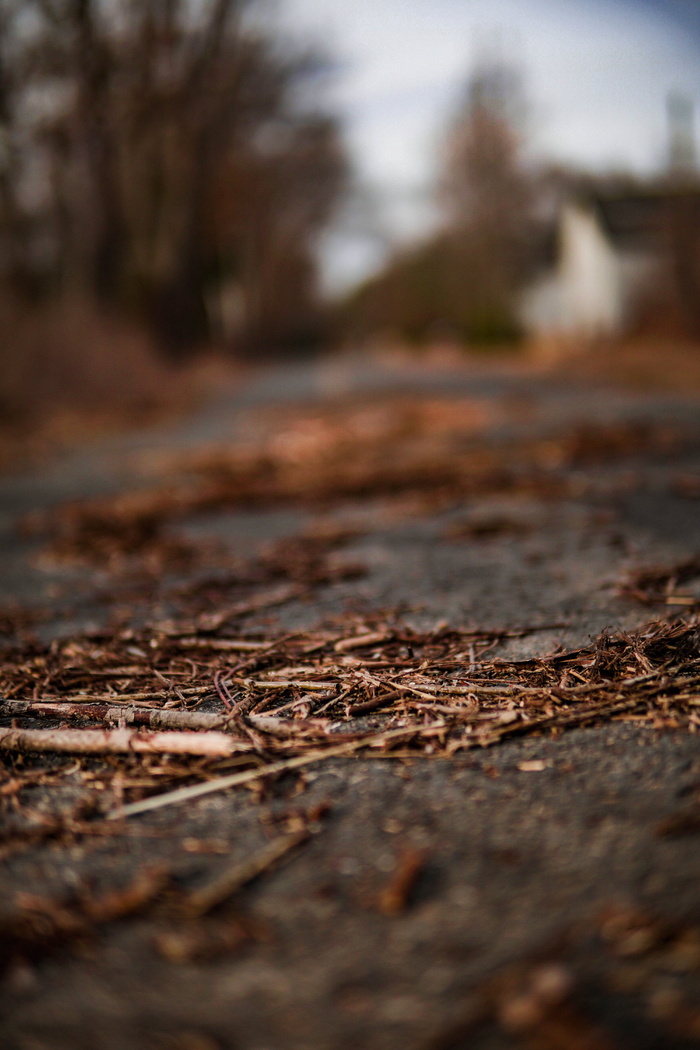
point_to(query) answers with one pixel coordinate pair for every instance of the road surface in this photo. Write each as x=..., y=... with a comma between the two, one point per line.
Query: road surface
x=554, y=901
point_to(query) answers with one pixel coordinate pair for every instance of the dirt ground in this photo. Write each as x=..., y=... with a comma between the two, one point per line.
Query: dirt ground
x=516, y=866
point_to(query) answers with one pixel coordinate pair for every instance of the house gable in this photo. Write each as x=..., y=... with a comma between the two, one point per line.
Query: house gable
x=609, y=250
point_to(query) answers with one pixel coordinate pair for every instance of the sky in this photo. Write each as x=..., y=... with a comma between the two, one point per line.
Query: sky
x=596, y=73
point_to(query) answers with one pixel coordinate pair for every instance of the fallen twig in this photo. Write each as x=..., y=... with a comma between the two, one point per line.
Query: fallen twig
x=186, y=794
x=120, y=742
x=396, y=895
x=359, y=641
x=222, y=691
x=130, y=698
x=225, y=645
x=565, y=720
x=209, y=896
x=154, y=717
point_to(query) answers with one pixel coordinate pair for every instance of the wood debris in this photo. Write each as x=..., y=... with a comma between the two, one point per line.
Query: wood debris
x=210, y=896
x=289, y=701
x=31, y=923
x=659, y=583
x=396, y=895
x=336, y=453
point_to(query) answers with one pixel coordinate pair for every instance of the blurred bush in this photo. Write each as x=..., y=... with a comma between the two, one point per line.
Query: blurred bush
x=66, y=356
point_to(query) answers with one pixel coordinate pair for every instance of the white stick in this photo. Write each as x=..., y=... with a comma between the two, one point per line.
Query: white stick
x=120, y=741
x=186, y=794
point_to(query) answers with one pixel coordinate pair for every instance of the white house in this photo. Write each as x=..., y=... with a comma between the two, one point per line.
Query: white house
x=604, y=255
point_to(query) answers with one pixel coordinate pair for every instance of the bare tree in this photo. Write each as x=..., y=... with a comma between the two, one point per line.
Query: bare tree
x=463, y=281
x=132, y=115
x=488, y=194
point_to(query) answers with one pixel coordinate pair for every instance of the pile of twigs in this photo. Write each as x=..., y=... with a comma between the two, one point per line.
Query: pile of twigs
x=431, y=452
x=266, y=705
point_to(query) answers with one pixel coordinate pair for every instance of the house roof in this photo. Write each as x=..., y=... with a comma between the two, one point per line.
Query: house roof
x=635, y=221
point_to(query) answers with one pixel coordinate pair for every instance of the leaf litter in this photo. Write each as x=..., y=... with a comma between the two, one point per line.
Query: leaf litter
x=431, y=451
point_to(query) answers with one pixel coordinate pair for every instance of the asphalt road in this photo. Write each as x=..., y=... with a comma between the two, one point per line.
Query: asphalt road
x=541, y=860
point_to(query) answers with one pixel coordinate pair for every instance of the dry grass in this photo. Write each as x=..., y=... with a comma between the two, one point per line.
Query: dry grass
x=647, y=364
x=70, y=374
